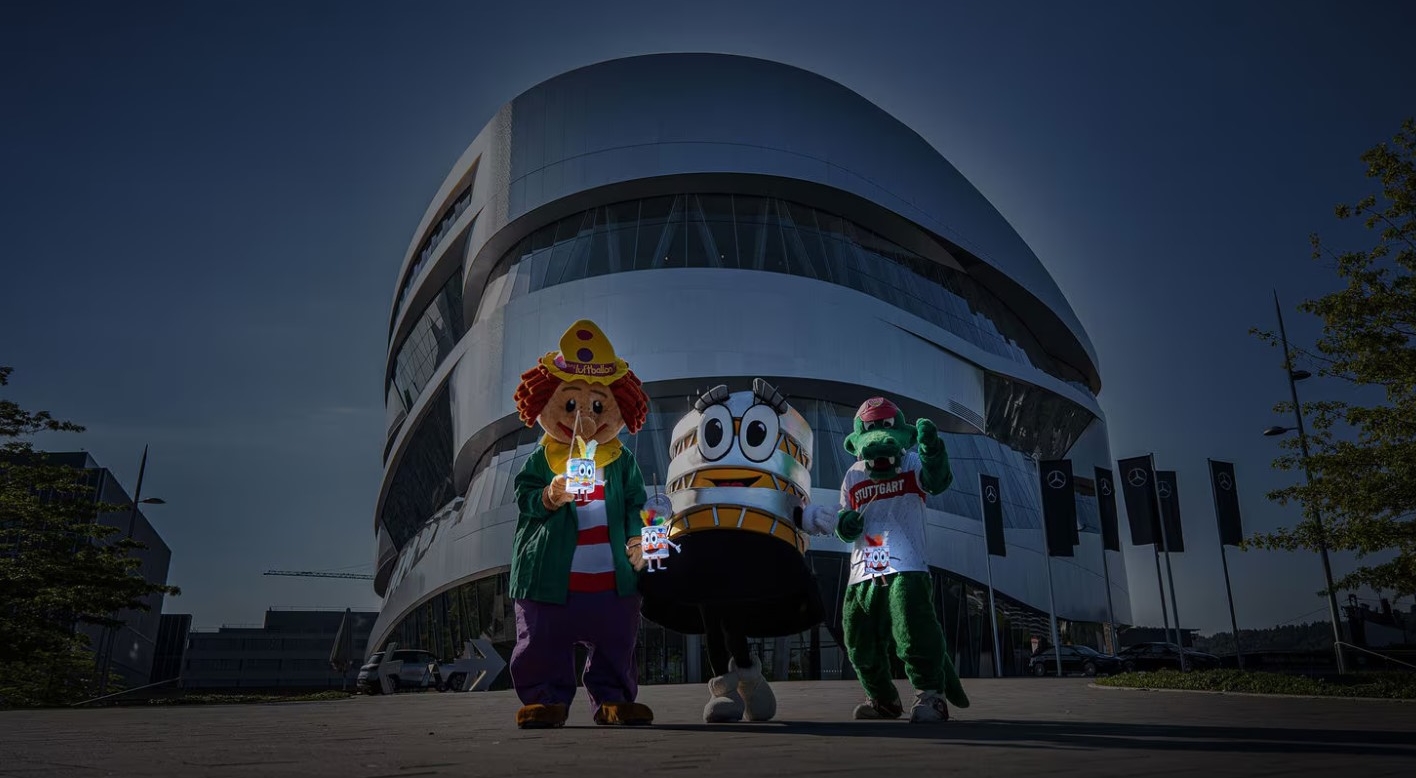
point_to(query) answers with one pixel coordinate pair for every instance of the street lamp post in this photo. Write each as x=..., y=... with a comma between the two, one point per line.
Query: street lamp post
x=110, y=634
x=1294, y=376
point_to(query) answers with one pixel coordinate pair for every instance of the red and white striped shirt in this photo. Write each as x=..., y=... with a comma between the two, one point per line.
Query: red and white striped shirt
x=593, y=567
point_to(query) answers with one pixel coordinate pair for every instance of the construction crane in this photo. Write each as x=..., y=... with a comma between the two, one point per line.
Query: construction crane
x=311, y=574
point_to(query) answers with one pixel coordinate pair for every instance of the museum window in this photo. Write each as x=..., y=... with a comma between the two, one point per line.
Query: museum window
x=770, y=235
x=431, y=339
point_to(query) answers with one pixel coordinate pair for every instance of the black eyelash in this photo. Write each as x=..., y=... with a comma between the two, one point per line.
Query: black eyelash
x=715, y=396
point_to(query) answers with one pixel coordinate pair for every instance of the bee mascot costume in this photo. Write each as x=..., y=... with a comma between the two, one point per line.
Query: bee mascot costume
x=571, y=576
x=738, y=488
x=889, y=597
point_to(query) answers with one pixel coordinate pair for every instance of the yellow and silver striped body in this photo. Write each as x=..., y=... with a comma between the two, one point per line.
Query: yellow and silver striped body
x=740, y=461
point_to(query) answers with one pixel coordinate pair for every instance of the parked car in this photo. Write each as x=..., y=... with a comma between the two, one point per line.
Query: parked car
x=1075, y=659
x=419, y=670
x=1164, y=656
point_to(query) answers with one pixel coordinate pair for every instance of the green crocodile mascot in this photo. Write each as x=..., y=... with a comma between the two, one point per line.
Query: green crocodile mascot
x=889, y=599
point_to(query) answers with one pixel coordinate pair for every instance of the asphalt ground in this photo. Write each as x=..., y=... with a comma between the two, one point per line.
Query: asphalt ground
x=1016, y=726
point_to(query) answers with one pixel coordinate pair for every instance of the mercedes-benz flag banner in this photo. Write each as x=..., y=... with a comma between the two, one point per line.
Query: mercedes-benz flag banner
x=1168, y=489
x=1226, y=502
x=1059, y=506
x=1138, y=490
x=1106, y=507
x=992, y=499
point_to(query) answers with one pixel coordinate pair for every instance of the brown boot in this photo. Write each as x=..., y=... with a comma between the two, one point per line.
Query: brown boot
x=626, y=713
x=539, y=716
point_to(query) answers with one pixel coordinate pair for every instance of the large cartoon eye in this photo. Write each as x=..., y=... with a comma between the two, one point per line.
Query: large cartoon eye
x=598, y=407
x=570, y=406
x=759, y=432
x=715, y=432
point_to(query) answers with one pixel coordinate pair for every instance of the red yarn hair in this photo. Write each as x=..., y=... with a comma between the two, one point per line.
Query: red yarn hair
x=538, y=384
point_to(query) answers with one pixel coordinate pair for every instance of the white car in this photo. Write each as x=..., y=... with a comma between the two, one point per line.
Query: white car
x=417, y=670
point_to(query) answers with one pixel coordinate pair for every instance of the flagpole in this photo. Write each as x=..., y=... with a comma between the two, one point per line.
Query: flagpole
x=1110, y=609
x=1047, y=556
x=992, y=609
x=1160, y=581
x=1233, y=622
x=1224, y=563
x=1169, y=571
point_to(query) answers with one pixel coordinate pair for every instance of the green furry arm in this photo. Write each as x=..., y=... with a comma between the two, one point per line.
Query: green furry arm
x=529, y=483
x=849, y=525
x=935, y=476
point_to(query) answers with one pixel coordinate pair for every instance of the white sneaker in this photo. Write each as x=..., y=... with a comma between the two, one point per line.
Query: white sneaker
x=929, y=707
x=761, y=703
x=726, y=704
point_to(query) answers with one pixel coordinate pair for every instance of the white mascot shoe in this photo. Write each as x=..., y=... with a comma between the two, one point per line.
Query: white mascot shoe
x=727, y=704
x=929, y=707
x=760, y=701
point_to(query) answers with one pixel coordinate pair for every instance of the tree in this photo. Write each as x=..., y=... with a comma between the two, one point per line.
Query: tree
x=58, y=569
x=1363, y=456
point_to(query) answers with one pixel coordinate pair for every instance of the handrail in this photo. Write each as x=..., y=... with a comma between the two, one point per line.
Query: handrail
x=125, y=691
x=1377, y=654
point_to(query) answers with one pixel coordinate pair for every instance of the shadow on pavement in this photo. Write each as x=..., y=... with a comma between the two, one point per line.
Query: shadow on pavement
x=1049, y=734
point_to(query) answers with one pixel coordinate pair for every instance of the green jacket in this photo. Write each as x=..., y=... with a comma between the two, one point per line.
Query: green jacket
x=545, y=540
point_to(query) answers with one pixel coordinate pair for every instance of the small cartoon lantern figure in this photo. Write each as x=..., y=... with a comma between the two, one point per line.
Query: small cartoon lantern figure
x=580, y=470
x=654, y=541
x=877, y=554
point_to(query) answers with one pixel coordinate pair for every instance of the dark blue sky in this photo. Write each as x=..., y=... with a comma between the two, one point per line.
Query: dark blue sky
x=203, y=208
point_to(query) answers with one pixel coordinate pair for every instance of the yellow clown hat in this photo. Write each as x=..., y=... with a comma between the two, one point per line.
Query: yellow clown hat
x=585, y=355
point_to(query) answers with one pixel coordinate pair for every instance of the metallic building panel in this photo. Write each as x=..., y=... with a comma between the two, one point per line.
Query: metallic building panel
x=659, y=115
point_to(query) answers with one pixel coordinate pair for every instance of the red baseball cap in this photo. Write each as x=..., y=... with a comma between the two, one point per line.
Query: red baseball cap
x=877, y=408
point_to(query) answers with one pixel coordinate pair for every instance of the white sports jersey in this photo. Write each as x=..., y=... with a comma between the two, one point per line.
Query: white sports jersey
x=895, y=506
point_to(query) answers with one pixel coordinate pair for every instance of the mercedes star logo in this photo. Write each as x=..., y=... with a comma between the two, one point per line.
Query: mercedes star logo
x=990, y=494
x=1137, y=477
x=1225, y=482
x=1105, y=488
x=1163, y=488
x=1056, y=479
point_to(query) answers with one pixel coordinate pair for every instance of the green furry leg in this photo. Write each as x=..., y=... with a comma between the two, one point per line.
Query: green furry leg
x=865, y=621
x=901, y=612
x=920, y=638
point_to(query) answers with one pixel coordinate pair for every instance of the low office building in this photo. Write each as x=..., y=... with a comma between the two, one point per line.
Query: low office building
x=171, y=648
x=290, y=650
x=128, y=651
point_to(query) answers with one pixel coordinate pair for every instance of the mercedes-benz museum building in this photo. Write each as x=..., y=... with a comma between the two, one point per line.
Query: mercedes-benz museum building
x=725, y=218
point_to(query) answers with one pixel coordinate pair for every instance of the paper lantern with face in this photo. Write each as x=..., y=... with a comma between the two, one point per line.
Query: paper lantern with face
x=877, y=554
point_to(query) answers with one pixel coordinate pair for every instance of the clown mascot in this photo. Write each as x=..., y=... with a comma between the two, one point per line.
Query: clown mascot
x=890, y=594
x=579, y=496
x=738, y=485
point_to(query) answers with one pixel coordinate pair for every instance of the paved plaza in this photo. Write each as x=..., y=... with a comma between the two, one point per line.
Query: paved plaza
x=1022, y=726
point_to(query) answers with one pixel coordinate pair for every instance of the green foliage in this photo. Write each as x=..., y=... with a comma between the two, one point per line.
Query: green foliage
x=236, y=699
x=1315, y=636
x=1394, y=686
x=1363, y=457
x=59, y=568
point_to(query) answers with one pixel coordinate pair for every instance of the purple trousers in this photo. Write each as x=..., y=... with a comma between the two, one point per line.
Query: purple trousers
x=543, y=662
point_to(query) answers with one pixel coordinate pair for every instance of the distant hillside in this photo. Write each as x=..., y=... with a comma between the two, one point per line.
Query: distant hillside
x=1315, y=636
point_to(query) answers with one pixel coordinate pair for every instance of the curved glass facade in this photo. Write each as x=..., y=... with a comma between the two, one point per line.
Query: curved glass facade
x=429, y=342
x=428, y=248
x=423, y=481
x=760, y=233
